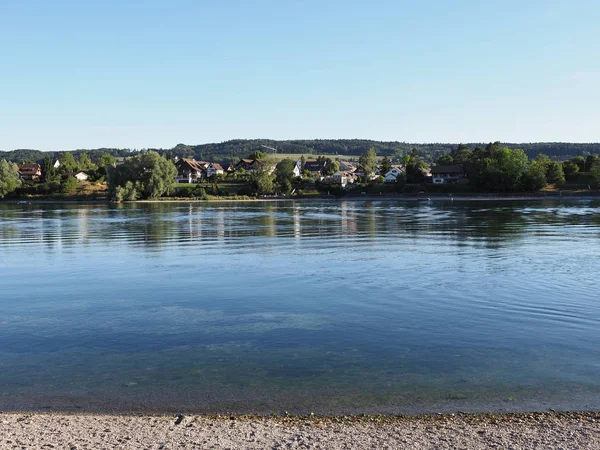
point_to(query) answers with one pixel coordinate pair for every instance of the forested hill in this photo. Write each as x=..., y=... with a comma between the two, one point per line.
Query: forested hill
x=230, y=151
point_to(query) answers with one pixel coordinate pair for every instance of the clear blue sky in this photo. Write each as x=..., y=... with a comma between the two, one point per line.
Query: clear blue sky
x=79, y=74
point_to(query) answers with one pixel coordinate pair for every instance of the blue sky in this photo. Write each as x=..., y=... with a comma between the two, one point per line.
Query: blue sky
x=138, y=74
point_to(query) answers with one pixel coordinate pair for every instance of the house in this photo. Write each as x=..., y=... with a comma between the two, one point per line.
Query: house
x=190, y=170
x=297, y=168
x=81, y=176
x=448, y=174
x=30, y=172
x=347, y=166
x=249, y=165
x=342, y=178
x=214, y=169
x=56, y=164
x=393, y=173
x=317, y=167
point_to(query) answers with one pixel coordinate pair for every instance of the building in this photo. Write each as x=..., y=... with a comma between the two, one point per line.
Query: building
x=448, y=174
x=30, y=172
x=342, y=178
x=81, y=176
x=317, y=167
x=214, y=169
x=190, y=170
x=393, y=173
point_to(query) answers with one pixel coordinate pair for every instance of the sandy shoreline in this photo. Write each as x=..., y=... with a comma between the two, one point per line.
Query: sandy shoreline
x=472, y=431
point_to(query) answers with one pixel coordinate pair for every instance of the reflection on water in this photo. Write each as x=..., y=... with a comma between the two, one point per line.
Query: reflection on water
x=315, y=306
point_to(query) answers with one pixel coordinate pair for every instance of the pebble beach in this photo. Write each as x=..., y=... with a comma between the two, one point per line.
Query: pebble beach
x=452, y=431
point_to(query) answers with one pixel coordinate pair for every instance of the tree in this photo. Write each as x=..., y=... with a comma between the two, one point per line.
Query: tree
x=67, y=163
x=257, y=154
x=9, y=178
x=580, y=161
x=85, y=163
x=284, y=174
x=106, y=160
x=535, y=176
x=262, y=183
x=555, y=173
x=333, y=168
x=570, y=169
x=150, y=176
x=48, y=170
x=386, y=165
x=69, y=184
x=368, y=161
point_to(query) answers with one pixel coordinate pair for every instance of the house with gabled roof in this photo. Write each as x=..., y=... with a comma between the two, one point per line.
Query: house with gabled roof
x=214, y=169
x=190, y=170
x=391, y=175
x=448, y=174
x=30, y=172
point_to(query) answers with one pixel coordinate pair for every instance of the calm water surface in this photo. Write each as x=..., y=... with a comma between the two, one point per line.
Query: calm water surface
x=319, y=306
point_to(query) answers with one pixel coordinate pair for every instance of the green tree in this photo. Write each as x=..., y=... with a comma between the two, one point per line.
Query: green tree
x=368, y=161
x=580, y=161
x=262, y=183
x=555, y=173
x=257, y=154
x=150, y=176
x=69, y=184
x=67, y=163
x=333, y=167
x=535, y=176
x=106, y=160
x=85, y=163
x=48, y=170
x=9, y=178
x=570, y=169
x=386, y=165
x=284, y=174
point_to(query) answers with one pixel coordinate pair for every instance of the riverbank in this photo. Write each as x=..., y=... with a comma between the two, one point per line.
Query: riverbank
x=564, y=195
x=473, y=431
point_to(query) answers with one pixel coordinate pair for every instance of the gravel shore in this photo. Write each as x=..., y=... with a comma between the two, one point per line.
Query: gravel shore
x=468, y=431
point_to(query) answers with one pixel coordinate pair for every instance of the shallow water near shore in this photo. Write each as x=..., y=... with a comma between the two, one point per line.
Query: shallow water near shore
x=329, y=307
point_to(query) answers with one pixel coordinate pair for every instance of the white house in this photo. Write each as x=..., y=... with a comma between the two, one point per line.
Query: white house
x=298, y=168
x=342, y=178
x=214, y=169
x=81, y=176
x=56, y=164
x=392, y=174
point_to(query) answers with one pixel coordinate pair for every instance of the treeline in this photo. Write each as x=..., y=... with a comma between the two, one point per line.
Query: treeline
x=499, y=168
x=230, y=151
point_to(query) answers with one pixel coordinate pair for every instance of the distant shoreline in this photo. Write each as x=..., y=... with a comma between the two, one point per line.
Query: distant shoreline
x=399, y=197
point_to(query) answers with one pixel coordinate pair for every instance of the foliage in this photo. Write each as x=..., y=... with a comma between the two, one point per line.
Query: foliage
x=106, y=160
x=69, y=184
x=85, y=163
x=48, y=170
x=9, y=178
x=284, y=174
x=414, y=166
x=555, y=173
x=67, y=163
x=333, y=167
x=126, y=192
x=149, y=174
x=262, y=183
x=368, y=161
x=386, y=165
x=570, y=169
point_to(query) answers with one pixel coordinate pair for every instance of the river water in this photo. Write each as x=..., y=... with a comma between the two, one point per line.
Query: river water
x=325, y=307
